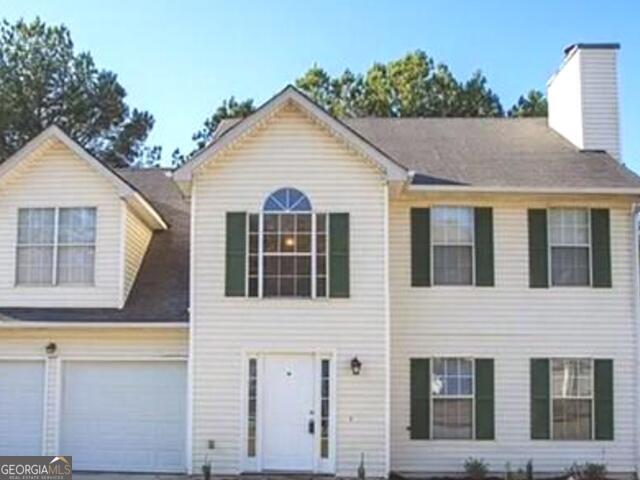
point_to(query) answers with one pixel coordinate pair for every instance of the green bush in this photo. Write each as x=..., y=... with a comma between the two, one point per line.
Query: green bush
x=476, y=468
x=588, y=471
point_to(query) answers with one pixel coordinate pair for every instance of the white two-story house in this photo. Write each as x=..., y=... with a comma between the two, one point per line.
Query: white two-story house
x=308, y=292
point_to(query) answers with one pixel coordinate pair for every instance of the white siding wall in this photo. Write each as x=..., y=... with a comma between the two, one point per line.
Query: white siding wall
x=512, y=323
x=58, y=178
x=600, y=96
x=137, y=239
x=289, y=151
x=86, y=343
x=564, y=94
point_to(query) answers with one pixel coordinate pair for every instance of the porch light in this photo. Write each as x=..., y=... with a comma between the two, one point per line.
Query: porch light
x=51, y=348
x=356, y=366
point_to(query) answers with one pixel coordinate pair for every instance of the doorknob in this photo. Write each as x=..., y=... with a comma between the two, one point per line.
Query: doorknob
x=312, y=426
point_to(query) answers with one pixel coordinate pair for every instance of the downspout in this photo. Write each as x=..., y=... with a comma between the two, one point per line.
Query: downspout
x=635, y=209
x=387, y=314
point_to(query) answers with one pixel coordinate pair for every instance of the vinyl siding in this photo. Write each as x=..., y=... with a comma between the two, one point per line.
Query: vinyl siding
x=289, y=150
x=564, y=93
x=85, y=343
x=58, y=178
x=137, y=239
x=512, y=323
x=600, y=101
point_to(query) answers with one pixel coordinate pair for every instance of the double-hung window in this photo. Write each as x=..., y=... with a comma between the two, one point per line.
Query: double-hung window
x=452, y=389
x=453, y=244
x=570, y=245
x=572, y=393
x=56, y=246
x=287, y=248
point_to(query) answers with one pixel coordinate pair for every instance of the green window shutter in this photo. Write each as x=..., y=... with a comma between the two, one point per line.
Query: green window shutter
x=538, y=251
x=484, y=399
x=420, y=399
x=601, y=245
x=483, y=223
x=339, y=255
x=236, y=245
x=420, y=247
x=540, y=399
x=603, y=399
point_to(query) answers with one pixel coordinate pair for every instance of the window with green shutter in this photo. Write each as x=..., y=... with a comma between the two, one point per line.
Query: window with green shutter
x=601, y=246
x=293, y=252
x=452, y=246
x=420, y=247
x=420, y=395
x=572, y=399
x=448, y=394
x=540, y=399
x=483, y=226
x=484, y=396
x=603, y=398
x=538, y=249
x=339, y=255
x=235, y=260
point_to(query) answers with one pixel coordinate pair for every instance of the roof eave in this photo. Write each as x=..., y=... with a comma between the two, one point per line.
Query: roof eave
x=524, y=190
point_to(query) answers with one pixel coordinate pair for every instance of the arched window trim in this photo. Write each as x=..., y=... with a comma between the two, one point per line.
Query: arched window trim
x=285, y=205
x=318, y=231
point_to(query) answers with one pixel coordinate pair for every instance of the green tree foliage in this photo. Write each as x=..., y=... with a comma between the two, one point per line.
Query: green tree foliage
x=412, y=86
x=44, y=82
x=230, y=108
x=533, y=105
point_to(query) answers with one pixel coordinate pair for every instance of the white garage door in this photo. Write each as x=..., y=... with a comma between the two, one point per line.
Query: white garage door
x=124, y=416
x=21, y=407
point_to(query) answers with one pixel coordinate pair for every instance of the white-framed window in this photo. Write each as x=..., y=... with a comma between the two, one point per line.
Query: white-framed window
x=570, y=246
x=572, y=397
x=287, y=247
x=56, y=246
x=452, y=398
x=452, y=243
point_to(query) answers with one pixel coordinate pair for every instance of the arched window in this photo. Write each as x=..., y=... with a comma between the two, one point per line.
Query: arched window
x=287, y=247
x=287, y=200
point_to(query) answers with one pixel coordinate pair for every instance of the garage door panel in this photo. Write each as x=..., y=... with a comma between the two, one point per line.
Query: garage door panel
x=21, y=407
x=125, y=416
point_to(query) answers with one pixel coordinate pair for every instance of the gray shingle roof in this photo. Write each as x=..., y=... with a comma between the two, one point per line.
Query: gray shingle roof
x=161, y=290
x=492, y=153
x=487, y=152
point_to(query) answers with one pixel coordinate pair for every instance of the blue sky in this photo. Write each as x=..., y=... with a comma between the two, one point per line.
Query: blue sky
x=179, y=59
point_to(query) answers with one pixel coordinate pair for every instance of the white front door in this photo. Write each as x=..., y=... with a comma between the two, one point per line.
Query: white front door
x=288, y=429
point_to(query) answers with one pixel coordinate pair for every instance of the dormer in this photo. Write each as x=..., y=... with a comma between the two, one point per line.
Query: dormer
x=73, y=233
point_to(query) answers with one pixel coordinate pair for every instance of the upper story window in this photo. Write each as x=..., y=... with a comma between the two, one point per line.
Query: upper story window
x=453, y=244
x=287, y=248
x=56, y=246
x=570, y=245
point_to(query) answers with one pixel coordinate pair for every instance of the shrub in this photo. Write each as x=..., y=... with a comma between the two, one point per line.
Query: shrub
x=529, y=470
x=476, y=468
x=588, y=471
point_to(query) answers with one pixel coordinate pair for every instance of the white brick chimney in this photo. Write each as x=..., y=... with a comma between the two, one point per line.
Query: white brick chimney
x=583, y=97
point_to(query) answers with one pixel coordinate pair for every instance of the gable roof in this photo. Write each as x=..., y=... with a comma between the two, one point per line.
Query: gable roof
x=290, y=94
x=134, y=198
x=160, y=293
x=489, y=154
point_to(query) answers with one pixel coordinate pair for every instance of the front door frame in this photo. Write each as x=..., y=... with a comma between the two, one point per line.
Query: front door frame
x=255, y=464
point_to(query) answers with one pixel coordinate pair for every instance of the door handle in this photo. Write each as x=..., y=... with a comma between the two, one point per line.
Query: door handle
x=312, y=426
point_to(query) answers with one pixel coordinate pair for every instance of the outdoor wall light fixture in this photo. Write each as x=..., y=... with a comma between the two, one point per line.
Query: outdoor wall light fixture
x=51, y=348
x=356, y=366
